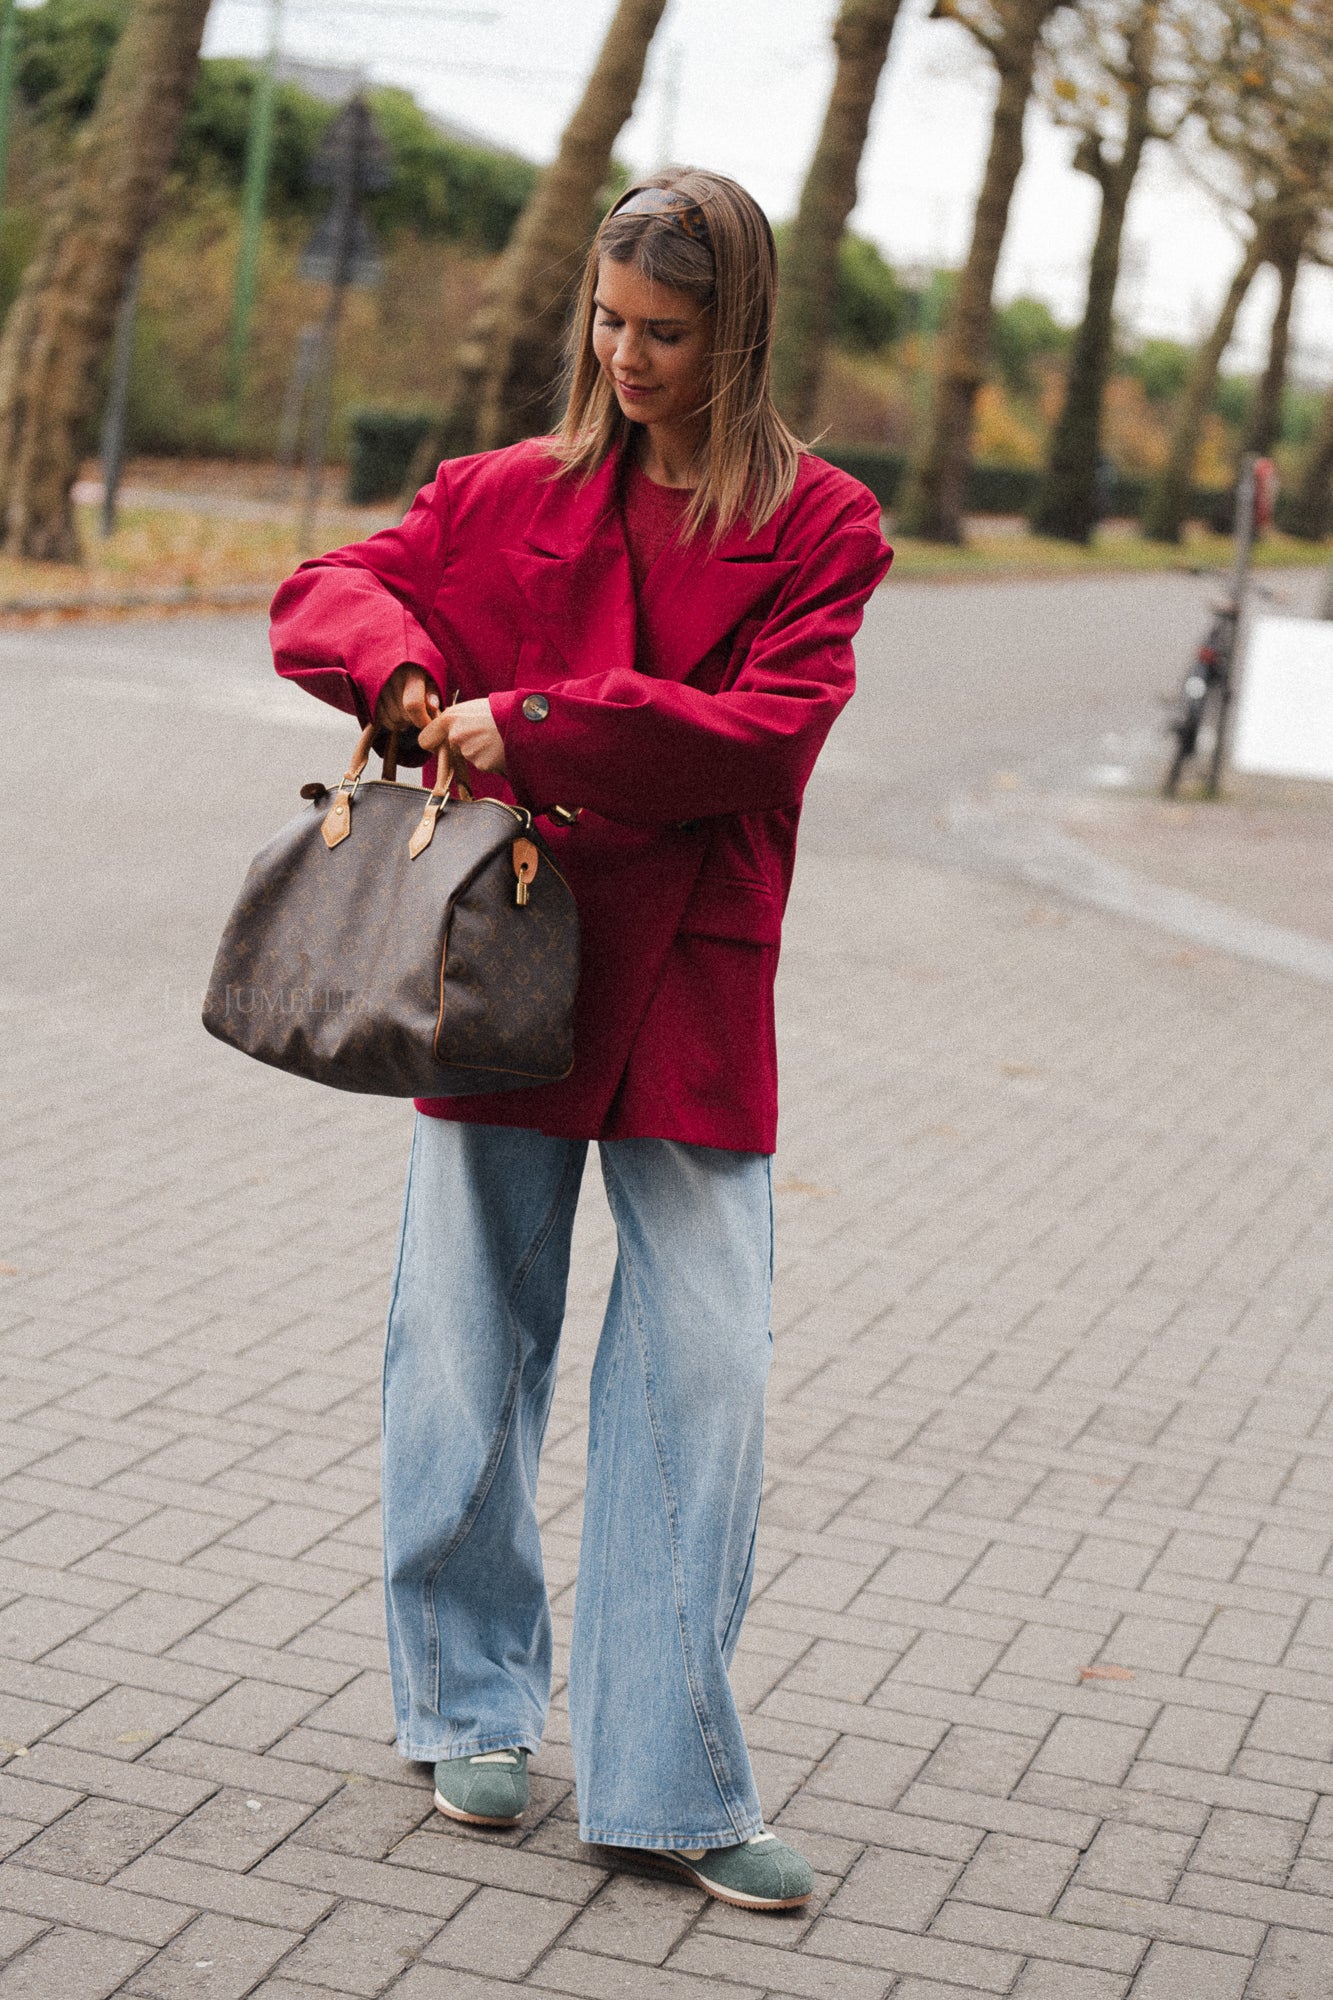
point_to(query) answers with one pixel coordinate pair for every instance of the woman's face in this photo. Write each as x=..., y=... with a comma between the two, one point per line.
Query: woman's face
x=654, y=343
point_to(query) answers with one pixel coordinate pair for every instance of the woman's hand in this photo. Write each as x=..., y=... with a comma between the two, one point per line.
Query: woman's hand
x=408, y=700
x=469, y=728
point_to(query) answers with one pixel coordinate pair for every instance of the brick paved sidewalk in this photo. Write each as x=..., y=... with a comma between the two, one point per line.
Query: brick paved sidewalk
x=1037, y=1669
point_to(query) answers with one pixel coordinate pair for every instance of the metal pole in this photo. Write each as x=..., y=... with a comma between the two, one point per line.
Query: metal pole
x=1240, y=576
x=9, y=30
x=349, y=182
x=258, y=158
x=113, y=424
x=293, y=403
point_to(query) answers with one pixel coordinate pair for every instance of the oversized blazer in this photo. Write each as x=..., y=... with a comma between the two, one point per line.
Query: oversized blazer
x=510, y=579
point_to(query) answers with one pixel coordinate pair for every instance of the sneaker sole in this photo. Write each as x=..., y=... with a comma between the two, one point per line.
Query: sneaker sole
x=473, y=1819
x=736, y=1897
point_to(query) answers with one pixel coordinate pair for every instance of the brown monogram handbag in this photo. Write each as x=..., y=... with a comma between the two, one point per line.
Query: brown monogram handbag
x=405, y=943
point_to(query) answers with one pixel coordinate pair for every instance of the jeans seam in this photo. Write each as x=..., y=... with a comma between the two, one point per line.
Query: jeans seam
x=394, y=1288
x=730, y=1803
x=541, y=1236
x=748, y=1568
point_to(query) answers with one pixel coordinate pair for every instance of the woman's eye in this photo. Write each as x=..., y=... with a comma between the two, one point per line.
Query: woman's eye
x=667, y=339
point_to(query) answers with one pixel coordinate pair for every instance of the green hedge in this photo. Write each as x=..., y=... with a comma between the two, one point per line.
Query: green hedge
x=384, y=443
x=1011, y=489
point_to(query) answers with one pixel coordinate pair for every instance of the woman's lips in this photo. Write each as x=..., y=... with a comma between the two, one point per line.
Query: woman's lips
x=634, y=393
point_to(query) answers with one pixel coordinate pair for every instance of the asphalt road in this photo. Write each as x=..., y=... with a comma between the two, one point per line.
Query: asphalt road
x=178, y=751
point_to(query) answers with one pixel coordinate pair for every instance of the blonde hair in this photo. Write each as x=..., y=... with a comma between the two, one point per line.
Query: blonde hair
x=746, y=465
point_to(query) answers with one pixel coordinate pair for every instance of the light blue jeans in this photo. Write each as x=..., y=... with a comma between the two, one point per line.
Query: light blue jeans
x=675, y=1459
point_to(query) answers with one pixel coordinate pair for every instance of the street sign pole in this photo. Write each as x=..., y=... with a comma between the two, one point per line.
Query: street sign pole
x=353, y=160
x=258, y=159
x=113, y=424
x=9, y=30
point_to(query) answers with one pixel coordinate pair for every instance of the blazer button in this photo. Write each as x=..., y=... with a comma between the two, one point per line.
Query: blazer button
x=536, y=707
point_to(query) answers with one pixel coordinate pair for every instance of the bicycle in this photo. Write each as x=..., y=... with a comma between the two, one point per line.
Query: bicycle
x=1206, y=692
x=1205, y=695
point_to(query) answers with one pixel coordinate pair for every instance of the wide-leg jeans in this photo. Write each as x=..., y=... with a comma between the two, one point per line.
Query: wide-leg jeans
x=675, y=1456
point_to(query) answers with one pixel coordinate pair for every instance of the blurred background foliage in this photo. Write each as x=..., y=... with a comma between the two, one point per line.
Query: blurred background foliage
x=449, y=211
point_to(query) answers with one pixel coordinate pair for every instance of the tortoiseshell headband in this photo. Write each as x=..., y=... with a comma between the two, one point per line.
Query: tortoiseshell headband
x=670, y=207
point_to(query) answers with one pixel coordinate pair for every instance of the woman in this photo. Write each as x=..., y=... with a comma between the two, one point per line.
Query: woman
x=648, y=616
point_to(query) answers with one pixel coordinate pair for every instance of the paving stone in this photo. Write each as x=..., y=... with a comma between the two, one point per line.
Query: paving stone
x=123, y=1723
x=1084, y=1943
x=359, y=1949
x=594, y=1978
x=1249, y=1845
x=1294, y=1728
x=1293, y=1965
x=1192, y=1736
x=1135, y=1861
x=901, y=1890
x=706, y=1959
x=986, y=1970
x=979, y=1760
x=1066, y=1982
x=1020, y=1875
x=217, y=1958
x=368, y=1819
x=1078, y=1748
x=70, y=1964
x=97, y=1839
x=252, y=1715
x=637, y=1917
x=107, y=1910
x=867, y=1773
x=1175, y=1972
x=234, y=1829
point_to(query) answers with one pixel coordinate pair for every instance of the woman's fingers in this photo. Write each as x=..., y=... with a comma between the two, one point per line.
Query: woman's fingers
x=469, y=728
x=408, y=700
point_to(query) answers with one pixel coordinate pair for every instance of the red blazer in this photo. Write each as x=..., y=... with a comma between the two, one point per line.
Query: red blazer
x=506, y=581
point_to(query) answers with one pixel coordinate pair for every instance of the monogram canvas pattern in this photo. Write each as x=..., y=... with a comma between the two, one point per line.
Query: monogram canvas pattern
x=344, y=965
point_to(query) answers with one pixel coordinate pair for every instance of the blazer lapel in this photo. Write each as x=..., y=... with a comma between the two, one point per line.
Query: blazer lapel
x=694, y=595
x=574, y=571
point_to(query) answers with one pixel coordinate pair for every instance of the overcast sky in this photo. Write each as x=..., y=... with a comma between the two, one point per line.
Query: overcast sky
x=740, y=85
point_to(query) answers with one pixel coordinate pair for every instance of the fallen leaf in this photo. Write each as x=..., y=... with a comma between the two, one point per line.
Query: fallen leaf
x=137, y=1736
x=8, y=1749
x=792, y=1186
x=1106, y=1673
x=9, y=1270
x=1018, y=1069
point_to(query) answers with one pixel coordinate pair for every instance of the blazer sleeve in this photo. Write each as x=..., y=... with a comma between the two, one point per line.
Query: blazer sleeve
x=344, y=622
x=655, y=752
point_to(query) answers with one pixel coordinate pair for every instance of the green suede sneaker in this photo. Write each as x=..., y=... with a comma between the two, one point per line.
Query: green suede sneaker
x=488, y=1790
x=763, y=1873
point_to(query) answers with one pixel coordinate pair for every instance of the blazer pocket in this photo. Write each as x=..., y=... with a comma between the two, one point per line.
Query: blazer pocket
x=722, y=906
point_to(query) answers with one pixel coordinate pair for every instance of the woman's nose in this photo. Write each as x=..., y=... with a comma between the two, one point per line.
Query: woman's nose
x=629, y=349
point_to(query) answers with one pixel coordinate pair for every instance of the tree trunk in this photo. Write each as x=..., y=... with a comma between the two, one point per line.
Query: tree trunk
x=1066, y=503
x=810, y=266
x=64, y=316
x=937, y=487
x=1307, y=514
x=507, y=368
x=1164, y=513
x=1265, y=421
